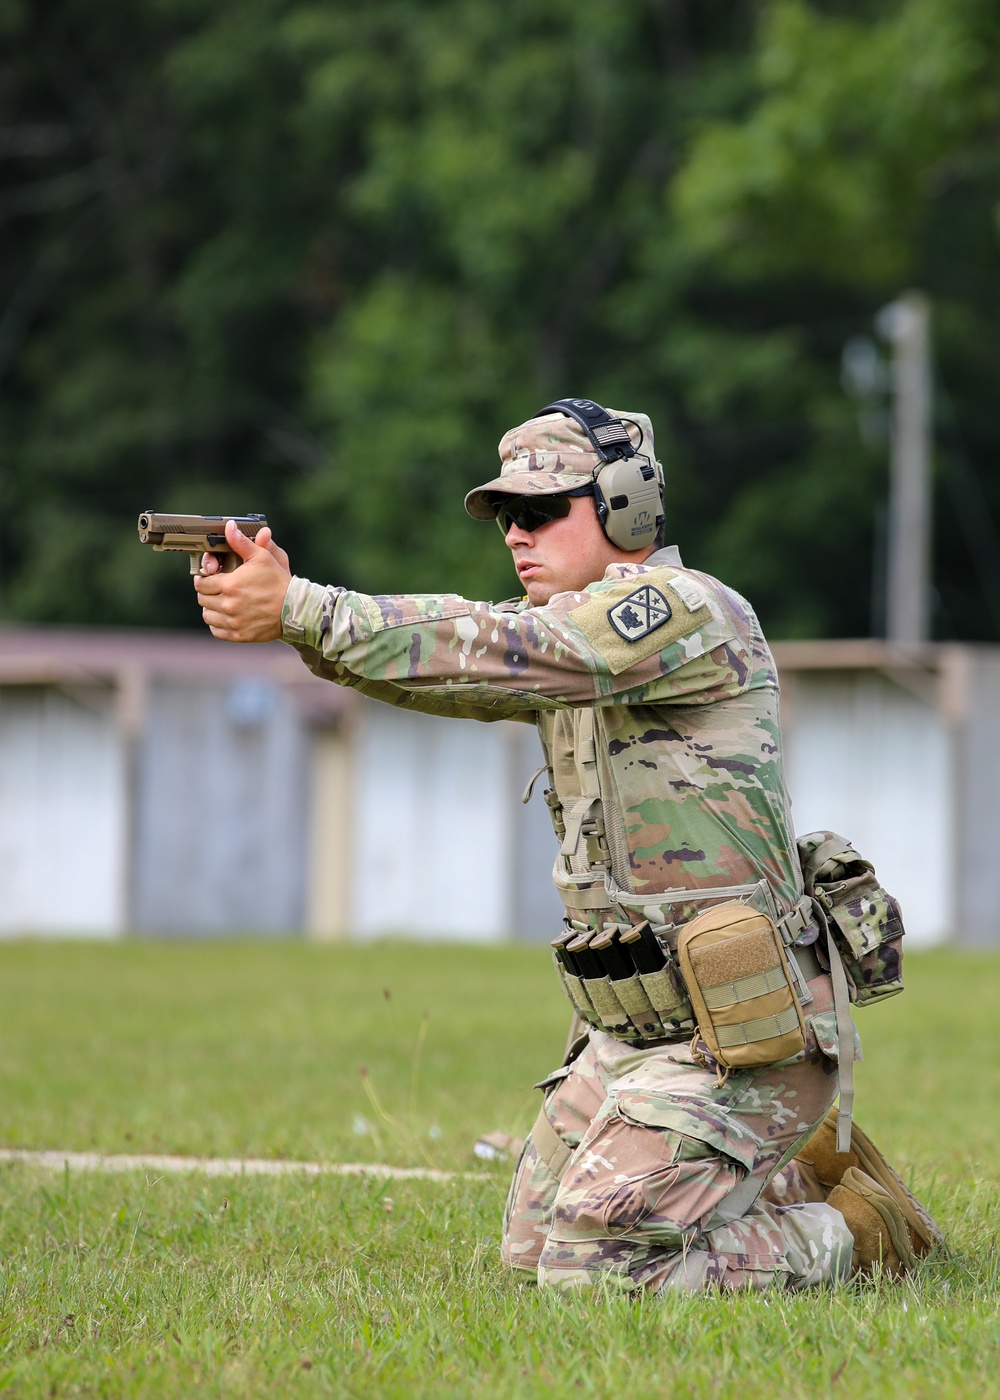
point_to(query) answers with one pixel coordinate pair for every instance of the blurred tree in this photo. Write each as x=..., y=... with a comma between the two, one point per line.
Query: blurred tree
x=313, y=258
x=155, y=335
x=867, y=161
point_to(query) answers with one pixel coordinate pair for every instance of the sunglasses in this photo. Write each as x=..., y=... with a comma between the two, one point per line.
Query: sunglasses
x=530, y=513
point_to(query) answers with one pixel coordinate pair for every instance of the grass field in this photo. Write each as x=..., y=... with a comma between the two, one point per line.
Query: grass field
x=189, y=1286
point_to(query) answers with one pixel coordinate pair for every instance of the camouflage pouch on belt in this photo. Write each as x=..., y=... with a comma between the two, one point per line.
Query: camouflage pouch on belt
x=741, y=987
x=865, y=921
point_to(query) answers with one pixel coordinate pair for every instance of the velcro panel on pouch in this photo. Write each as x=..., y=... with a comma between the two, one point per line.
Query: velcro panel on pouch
x=667, y=998
x=632, y=995
x=740, y=987
x=613, y=1015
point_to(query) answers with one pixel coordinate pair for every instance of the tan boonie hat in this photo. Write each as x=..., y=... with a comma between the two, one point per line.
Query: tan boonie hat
x=551, y=454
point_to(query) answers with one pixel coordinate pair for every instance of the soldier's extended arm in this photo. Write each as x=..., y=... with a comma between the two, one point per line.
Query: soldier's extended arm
x=638, y=636
x=195, y=535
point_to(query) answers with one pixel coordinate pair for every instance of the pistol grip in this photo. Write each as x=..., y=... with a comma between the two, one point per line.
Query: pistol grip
x=228, y=561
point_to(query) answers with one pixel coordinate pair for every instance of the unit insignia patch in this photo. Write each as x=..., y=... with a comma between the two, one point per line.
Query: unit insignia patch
x=640, y=613
x=634, y=620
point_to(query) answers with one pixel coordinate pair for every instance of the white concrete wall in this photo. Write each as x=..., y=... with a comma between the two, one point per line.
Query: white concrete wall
x=443, y=849
x=977, y=779
x=331, y=834
x=872, y=762
x=433, y=827
x=219, y=844
x=432, y=839
x=62, y=814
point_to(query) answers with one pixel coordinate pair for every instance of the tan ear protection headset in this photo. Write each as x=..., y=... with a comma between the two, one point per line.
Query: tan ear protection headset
x=628, y=488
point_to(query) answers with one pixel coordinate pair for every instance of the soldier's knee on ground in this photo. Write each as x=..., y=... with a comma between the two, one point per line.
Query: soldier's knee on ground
x=625, y=1181
x=572, y=1104
x=633, y=1199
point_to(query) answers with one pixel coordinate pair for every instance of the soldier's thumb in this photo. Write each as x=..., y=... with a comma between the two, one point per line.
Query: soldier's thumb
x=238, y=542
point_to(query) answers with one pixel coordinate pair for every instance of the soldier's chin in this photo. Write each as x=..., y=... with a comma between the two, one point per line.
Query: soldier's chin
x=538, y=593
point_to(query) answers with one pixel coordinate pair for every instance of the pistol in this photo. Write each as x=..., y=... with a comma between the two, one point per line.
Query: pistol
x=195, y=535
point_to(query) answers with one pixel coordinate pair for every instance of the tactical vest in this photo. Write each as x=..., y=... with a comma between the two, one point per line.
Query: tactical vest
x=629, y=954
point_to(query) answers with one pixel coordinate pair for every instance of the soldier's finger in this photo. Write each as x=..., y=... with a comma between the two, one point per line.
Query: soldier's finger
x=266, y=540
x=213, y=617
x=209, y=585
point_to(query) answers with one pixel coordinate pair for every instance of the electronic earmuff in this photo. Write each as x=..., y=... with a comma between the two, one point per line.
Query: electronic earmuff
x=628, y=489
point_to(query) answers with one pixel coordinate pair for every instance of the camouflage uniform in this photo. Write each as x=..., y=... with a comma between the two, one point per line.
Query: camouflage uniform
x=656, y=701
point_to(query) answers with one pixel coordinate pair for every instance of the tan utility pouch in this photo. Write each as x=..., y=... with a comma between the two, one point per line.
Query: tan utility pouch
x=740, y=986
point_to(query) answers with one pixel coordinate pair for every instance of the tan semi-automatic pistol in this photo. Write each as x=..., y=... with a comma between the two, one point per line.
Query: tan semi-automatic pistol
x=195, y=535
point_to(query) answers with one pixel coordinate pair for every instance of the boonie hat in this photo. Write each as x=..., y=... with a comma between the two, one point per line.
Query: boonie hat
x=548, y=455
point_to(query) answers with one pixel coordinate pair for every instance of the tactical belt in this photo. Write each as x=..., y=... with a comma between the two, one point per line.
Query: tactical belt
x=624, y=979
x=556, y=1154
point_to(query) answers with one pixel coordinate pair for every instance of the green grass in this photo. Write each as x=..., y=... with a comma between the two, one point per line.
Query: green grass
x=186, y=1286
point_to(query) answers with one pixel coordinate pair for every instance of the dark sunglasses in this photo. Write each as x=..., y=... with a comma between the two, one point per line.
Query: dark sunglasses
x=530, y=513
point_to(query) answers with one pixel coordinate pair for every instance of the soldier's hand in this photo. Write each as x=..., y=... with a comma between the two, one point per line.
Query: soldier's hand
x=245, y=605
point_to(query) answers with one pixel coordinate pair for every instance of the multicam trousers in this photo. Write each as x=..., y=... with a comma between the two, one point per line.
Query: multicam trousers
x=676, y=1180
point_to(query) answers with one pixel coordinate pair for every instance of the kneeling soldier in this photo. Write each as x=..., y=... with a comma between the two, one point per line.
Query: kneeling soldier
x=689, y=1139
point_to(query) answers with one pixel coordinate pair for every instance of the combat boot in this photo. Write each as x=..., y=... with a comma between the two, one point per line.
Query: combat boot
x=881, y=1234
x=823, y=1169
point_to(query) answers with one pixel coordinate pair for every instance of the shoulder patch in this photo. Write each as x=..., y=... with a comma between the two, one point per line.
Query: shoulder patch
x=640, y=613
x=637, y=618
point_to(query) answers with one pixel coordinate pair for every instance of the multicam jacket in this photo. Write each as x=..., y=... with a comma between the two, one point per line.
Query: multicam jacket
x=656, y=699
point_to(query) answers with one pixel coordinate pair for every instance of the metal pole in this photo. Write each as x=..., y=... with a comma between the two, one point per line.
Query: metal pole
x=906, y=325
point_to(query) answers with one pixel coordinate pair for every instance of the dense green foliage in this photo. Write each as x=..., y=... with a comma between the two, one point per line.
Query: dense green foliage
x=146, y=1284
x=313, y=258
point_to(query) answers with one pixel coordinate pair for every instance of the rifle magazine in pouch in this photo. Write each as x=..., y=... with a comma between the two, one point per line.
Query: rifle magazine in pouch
x=632, y=995
x=574, y=989
x=668, y=997
x=613, y=1017
x=865, y=921
x=740, y=986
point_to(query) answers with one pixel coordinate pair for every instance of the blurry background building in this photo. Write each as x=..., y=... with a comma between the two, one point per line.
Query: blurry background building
x=165, y=785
